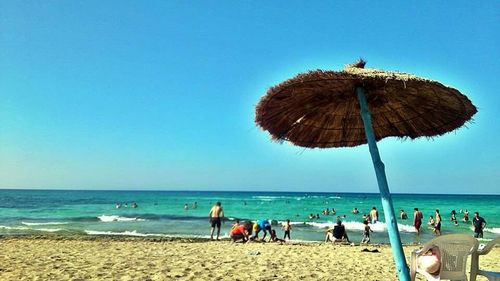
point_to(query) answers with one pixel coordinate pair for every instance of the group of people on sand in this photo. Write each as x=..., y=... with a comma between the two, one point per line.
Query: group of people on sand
x=246, y=231
x=249, y=231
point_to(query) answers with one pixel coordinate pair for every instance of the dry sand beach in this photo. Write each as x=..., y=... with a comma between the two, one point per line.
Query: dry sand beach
x=105, y=258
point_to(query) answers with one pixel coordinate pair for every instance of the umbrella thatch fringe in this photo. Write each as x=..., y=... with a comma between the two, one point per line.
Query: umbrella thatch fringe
x=320, y=108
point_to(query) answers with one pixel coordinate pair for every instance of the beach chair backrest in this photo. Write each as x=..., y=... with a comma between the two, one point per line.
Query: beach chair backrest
x=454, y=249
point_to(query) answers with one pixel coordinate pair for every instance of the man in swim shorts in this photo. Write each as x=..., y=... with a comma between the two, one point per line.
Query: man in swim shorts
x=215, y=217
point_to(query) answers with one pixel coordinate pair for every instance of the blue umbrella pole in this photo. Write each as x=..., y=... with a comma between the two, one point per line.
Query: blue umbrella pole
x=390, y=218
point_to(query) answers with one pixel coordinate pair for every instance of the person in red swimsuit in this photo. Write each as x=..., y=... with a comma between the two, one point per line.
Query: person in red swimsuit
x=417, y=219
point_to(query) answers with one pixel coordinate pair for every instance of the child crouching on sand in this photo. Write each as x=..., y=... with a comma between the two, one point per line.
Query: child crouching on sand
x=366, y=233
x=274, y=238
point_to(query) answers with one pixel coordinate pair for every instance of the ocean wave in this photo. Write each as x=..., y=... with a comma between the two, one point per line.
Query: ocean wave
x=43, y=223
x=265, y=197
x=124, y=233
x=14, y=227
x=495, y=230
x=48, y=229
x=107, y=218
x=354, y=225
x=296, y=223
x=139, y=234
x=335, y=197
x=30, y=229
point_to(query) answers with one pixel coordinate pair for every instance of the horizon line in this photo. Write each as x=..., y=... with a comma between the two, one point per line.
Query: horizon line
x=239, y=191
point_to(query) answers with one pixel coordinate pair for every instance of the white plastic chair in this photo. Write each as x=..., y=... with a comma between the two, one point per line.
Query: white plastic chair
x=474, y=270
x=454, y=250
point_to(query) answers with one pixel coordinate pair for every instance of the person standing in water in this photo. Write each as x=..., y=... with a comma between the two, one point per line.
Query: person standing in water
x=215, y=217
x=478, y=223
x=454, y=217
x=466, y=216
x=403, y=215
x=374, y=215
x=287, y=227
x=417, y=219
x=437, y=225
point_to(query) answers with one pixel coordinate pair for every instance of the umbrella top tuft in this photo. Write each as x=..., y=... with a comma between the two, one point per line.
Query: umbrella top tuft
x=360, y=63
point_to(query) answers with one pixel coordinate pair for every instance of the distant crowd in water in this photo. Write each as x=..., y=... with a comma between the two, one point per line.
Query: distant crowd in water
x=125, y=205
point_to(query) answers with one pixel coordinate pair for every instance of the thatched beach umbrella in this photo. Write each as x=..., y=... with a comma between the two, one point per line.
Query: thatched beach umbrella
x=357, y=106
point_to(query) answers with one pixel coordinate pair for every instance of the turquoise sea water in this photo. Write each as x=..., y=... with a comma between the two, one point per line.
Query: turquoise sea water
x=162, y=213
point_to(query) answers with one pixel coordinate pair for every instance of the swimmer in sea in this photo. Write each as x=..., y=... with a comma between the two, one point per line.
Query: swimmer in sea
x=466, y=216
x=215, y=217
x=403, y=215
x=431, y=221
x=454, y=217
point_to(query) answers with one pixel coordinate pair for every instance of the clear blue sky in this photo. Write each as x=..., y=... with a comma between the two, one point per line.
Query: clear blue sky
x=161, y=94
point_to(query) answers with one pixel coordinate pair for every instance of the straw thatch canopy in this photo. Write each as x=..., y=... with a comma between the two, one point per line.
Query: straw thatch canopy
x=320, y=108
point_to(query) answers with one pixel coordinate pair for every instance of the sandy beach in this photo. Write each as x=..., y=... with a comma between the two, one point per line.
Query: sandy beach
x=106, y=258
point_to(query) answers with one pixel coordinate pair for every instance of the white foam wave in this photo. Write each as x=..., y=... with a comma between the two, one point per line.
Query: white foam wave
x=269, y=197
x=48, y=229
x=124, y=233
x=27, y=228
x=320, y=224
x=43, y=223
x=493, y=230
x=139, y=234
x=354, y=225
x=292, y=222
x=335, y=197
x=106, y=218
x=14, y=227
